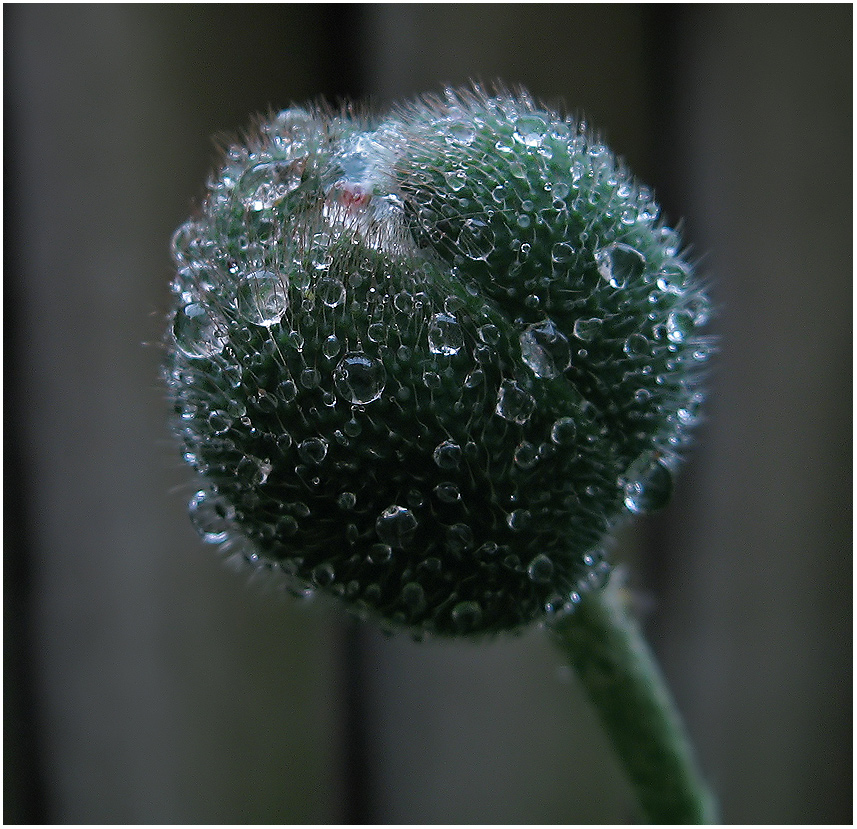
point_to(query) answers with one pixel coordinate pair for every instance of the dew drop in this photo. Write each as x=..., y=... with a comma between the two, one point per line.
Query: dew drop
x=346, y=500
x=647, y=485
x=431, y=379
x=459, y=538
x=211, y=515
x=331, y=346
x=262, y=298
x=359, y=379
x=377, y=332
x=562, y=253
x=380, y=553
x=635, y=345
x=286, y=527
x=526, y=455
x=564, y=431
x=254, y=470
x=460, y=133
x=540, y=569
x=679, y=325
x=196, y=333
x=619, y=264
x=288, y=390
x=447, y=492
x=447, y=455
x=324, y=574
x=444, y=335
x=489, y=334
x=313, y=450
x=310, y=378
x=219, y=421
x=466, y=616
x=514, y=403
x=396, y=526
x=519, y=519
x=330, y=291
x=530, y=130
x=545, y=349
x=266, y=184
x=588, y=330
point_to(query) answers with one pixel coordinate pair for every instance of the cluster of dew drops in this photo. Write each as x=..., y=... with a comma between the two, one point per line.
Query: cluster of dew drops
x=261, y=177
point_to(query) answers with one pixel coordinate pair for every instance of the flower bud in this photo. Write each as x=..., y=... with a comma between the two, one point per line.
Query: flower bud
x=426, y=363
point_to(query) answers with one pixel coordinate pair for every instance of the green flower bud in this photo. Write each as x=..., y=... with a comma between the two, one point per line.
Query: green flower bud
x=426, y=363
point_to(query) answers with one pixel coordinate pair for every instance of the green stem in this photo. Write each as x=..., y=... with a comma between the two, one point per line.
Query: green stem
x=605, y=646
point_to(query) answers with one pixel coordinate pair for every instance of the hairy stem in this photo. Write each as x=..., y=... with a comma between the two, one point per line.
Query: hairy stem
x=606, y=648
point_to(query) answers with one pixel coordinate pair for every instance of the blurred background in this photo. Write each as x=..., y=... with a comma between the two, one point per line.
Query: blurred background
x=146, y=683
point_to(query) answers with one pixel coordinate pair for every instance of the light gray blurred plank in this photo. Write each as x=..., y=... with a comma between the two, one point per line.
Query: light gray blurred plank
x=169, y=691
x=762, y=584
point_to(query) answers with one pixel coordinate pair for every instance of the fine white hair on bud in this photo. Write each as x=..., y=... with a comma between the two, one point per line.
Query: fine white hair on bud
x=426, y=362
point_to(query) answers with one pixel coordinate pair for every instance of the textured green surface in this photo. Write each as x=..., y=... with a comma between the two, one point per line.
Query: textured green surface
x=426, y=363
x=606, y=648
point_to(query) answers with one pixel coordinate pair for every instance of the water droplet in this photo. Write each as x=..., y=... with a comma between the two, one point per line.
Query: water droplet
x=679, y=325
x=266, y=184
x=380, y=553
x=545, y=349
x=288, y=391
x=466, y=616
x=564, y=431
x=619, y=264
x=254, y=470
x=588, y=330
x=346, y=500
x=459, y=538
x=474, y=379
x=447, y=455
x=431, y=379
x=444, y=335
x=519, y=519
x=460, y=133
x=313, y=450
x=456, y=179
x=377, y=332
x=310, y=378
x=524, y=221
x=212, y=516
x=331, y=346
x=196, y=333
x=219, y=421
x=635, y=345
x=262, y=298
x=540, y=569
x=489, y=334
x=186, y=242
x=330, y=291
x=359, y=379
x=324, y=574
x=647, y=485
x=514, y=403
x=286, y=527
x=530, y=130
x=526, y=455
x=395, y=526
x=561, y=189
x=562, y=253
x=447, y=492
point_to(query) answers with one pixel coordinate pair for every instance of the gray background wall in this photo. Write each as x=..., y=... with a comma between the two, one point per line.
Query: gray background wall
x=146, y=683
